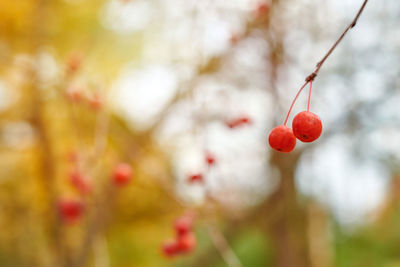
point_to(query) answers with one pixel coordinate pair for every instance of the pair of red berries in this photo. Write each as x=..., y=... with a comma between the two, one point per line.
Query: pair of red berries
x=122, y=175
x=307, y=127
x=185, y=238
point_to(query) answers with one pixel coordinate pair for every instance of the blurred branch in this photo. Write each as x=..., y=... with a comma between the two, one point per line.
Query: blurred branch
x=96, y=223
x=100, y=251
x=211, y=66
x=223, y=247
x=47, y=177
x=322, y=61
x=46, y=155
x=314, y=74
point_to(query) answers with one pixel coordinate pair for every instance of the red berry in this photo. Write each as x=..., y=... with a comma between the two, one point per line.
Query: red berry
x=183, y=225
x=122, y=174
x=262, y=9
x=70, y=210
x=187, y=242
x=74, y=62
x=210, y=159
x=74, y=94
x=170, y=248
x=95, y=101
x=244, y=120
x=282, y=139
x=307, y=126
x=198, y=177
x=234, y=39
x=231, y=124
x=80, y=182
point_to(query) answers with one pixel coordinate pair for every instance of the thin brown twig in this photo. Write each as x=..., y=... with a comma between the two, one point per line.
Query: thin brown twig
x=322, y=61
x=314, y=74
x=223, y=247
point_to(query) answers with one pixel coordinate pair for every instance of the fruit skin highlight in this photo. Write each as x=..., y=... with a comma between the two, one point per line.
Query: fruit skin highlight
x=307, y=126
x=282, y=139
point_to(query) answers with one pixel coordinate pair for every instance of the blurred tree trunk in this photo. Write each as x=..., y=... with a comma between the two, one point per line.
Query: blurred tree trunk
x=46, y=162
x=288, y=229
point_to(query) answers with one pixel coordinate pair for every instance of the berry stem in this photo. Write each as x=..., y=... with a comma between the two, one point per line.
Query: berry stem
x=309, y=97
x=294, y=100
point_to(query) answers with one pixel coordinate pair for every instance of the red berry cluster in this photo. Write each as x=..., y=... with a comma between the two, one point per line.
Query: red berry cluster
x=72, y=209
x=185, y=240
x=307, y=127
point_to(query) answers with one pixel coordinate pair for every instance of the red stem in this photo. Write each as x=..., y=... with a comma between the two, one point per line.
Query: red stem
x=312, y=76
x=294, y=100
x=309, y=97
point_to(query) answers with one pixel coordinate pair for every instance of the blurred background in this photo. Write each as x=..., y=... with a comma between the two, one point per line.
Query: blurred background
x=118, y=117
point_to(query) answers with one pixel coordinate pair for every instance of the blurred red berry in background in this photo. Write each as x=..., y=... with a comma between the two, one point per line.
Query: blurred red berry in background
x=95, y=101
x=187, y=242
x=238, y=122
x=196, y=178
x=183, y=225
x=170, y=248
x=262, y=9
x=70, y=210
x=80, y=182
x=122, y=174
x=210, y=159
x=74, y=62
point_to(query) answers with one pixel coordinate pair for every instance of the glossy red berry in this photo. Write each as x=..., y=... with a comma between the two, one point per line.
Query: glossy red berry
x=70, y=210
x=307, y=126
x=234, y=39
x=187, y=242
x=183, y=225
x=170, y=248
x=282, y=139
x=122, y=174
